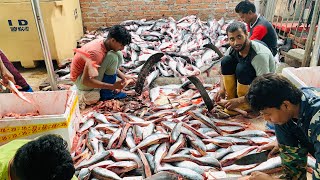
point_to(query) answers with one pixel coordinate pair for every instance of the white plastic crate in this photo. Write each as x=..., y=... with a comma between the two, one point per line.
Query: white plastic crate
x=59, y=114
x=303, y=76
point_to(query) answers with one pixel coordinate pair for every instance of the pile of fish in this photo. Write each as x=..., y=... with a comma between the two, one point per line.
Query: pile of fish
x=190, y=47
x=186, y=43
x=176, y=135
x=19, y=116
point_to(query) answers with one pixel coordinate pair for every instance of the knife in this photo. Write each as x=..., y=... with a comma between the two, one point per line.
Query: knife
x=253, y=158
x=146, y=69
x=208, y=102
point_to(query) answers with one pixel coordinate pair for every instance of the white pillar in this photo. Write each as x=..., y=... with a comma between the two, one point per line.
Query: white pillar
x=44, y=43
x=316, y=48
x=257, y=4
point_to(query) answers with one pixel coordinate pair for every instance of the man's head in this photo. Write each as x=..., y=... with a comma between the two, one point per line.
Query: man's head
x=45, y=158
x=246, y=11
x=118, y=37
x=275, y=97
x=237, y=36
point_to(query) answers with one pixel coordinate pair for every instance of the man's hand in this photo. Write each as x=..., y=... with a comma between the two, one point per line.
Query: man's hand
x=257, y=175
x=6, y=75
x=273, y=146
x=131, y=79
x=219, y=95
x=232, y=103
x=119, y=85
x=93, y=69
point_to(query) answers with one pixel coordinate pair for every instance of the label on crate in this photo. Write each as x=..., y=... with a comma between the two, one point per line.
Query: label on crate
x=19, y=25
x=22, y=131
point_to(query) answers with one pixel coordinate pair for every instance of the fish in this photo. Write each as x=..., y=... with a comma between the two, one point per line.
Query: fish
x=160, y=153
x=86, y=125
x=120, y=155
x=184, y=172
x=175, y=132
x=123, y=135
x=152, y=149
x=190, y=165
x=211, y=147
x=164, y=175
x=100, y=117
x=94, y=159
x=197, y=144
x=146, y=166
x=259, y=140
x=179, y=143
x=104, y=174
x=249, y=133
x=238, y=168
x=205, y=160
x=148, y=130
x=15, y=91
x=150, y=140
x=150, y=159
x=114, y=138
x=194, y=131
x=101, y=164
x=122, y=166
x=234, y=140
x=185, y=109
x=230, y=158
x=231, y=129
x=84, y=174
x=152, y=76
x=269, y=164
x=206, y=120
x=129, y=139
x=218, y=142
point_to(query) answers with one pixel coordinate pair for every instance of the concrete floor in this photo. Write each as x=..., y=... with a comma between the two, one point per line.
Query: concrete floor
x=34, y=76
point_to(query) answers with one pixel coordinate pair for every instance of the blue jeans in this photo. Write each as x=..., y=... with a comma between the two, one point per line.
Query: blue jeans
x=27, y=89
x=107, y=94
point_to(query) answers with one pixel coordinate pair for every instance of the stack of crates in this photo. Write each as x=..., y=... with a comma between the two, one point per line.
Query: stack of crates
x=19, y=35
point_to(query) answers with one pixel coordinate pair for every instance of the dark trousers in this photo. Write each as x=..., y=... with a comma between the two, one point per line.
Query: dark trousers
x=244, y=71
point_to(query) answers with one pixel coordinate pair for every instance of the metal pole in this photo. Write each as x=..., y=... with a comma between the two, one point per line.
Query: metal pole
x=316, y=48
x=44, y=43
x=306, y=59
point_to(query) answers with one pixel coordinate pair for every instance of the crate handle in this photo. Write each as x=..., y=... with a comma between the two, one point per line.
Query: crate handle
x=58, y=3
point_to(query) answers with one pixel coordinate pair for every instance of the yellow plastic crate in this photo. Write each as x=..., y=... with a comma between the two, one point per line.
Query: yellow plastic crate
x=19, y=35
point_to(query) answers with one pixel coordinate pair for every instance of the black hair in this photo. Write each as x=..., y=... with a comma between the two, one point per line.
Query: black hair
x=45, y=158
x=236, y=26
x=270, y=91
x=245, y=7
x=120, y=34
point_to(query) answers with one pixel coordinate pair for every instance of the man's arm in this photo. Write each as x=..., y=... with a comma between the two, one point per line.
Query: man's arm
x=293, y=156
x=258, y=32
x=5, y=74
x=121, y=75
x=261, y=64
x=315, y=137
x=91, y=82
